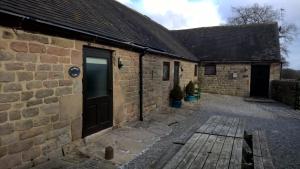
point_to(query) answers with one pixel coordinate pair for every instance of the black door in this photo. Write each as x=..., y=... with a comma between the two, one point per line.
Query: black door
x=176, y=73
x=260, y=80
x=97, y=94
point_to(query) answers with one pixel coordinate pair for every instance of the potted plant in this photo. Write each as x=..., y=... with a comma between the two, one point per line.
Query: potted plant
x=190, y=90
x=197, y=92
x=176, y=96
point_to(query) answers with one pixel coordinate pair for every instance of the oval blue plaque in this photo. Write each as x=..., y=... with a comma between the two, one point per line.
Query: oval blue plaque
x=74, y=71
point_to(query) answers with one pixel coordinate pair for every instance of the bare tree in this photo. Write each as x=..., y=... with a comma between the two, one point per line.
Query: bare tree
x=265, y=14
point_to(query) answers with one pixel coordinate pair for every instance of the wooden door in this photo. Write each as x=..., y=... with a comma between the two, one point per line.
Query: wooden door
x=260, y=76
x=97, y=90
x=176, y=73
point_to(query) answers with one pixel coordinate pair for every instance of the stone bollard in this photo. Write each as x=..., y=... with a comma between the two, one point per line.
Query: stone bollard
x=109, y=153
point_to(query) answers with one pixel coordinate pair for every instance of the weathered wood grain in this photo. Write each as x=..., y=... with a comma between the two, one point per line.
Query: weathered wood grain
x=173, y=163
x=266, y=155
x=191, y=155
x=203, y=154
x=226, y=127
x=223, y=162
x=213, y=157
x=236, y=155
x=233, y=128
x=256, y=144
x=241, y=129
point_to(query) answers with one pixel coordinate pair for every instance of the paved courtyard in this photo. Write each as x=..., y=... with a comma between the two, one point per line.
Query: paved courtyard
x=281, y=123
x=150, y=144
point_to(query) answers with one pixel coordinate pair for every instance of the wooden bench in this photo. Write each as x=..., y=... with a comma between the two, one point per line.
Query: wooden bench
x=216, y=144
x=261, y=155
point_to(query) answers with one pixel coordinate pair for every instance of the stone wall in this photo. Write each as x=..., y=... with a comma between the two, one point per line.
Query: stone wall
x=224, y=83
x=156, y=91
x=41, y=106
x=287, y=92
x=37, y=97
x=275, y=71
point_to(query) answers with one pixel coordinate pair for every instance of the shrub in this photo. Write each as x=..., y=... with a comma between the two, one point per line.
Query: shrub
x=176, y=93
x=190, y=88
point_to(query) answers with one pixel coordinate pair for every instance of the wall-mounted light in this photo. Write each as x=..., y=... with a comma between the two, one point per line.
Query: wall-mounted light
x=181, y=68
x=120, y=64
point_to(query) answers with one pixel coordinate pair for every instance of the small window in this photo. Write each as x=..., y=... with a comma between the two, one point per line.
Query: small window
x=166, y=71
x=210, y=69
x=195, y=70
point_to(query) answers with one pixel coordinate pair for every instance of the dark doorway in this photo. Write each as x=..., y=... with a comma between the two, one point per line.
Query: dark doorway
x=260, y=75
x=97, y=90
x=176, y=73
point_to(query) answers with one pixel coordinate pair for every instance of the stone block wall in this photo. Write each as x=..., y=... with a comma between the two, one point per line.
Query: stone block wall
x=41, y=106
x=156, y=91
x=287, y=92
x=275, y=71
x=37, y=96
x=224, y=83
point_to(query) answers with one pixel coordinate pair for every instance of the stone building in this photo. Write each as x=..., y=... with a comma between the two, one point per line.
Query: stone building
x=235, y=60
x=73, y=68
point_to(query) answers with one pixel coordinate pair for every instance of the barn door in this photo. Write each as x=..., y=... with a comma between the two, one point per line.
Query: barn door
x=260, y=75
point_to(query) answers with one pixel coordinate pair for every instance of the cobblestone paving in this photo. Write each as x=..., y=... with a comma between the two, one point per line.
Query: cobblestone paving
x=281, y=123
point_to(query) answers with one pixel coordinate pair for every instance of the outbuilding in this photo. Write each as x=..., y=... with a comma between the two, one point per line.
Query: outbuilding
x=70, y=69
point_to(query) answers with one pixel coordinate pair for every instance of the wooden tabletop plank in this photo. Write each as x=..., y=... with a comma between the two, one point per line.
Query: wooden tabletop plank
x=213, y=125
x=233, y=128
x=191, y=155
x=226, y=127
x=258, y=163
x=200, y=160
x=225, y=155
x=267, y=159
x=264, y=144
x=219, y=126
x=256, y=144
x=173, y=163
x=236, y=155
x=240, y=129
x=213, y=157
x=203, y=128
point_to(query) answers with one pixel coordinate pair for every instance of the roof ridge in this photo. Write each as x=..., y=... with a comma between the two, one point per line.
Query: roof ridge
x=227, y=26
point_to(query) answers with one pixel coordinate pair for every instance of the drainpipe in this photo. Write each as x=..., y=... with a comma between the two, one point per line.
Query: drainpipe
x=143, y=53
x=280, y=76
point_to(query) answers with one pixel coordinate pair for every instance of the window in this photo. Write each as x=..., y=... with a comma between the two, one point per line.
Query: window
x=195, y=70
x=210, y=69
x=166, y=71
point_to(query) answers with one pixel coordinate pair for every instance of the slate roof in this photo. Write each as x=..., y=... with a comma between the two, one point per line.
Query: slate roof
x=247, y=43
x=107, y=18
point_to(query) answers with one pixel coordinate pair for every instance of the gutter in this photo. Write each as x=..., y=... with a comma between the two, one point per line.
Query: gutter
x=114, y=41
x=141, y=91
x=234, y=62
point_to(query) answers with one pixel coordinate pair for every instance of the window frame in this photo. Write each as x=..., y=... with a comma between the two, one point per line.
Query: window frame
x=207, y=73
x=168, y=69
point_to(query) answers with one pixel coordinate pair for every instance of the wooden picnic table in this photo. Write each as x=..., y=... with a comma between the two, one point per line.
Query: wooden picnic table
x=216, y=144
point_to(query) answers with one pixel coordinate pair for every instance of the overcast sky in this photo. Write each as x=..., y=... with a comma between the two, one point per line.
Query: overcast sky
x=181, y=14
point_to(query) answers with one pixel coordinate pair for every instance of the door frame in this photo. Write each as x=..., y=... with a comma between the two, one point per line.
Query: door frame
x=251, y=80
x=176, y=63
x=85, y=50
